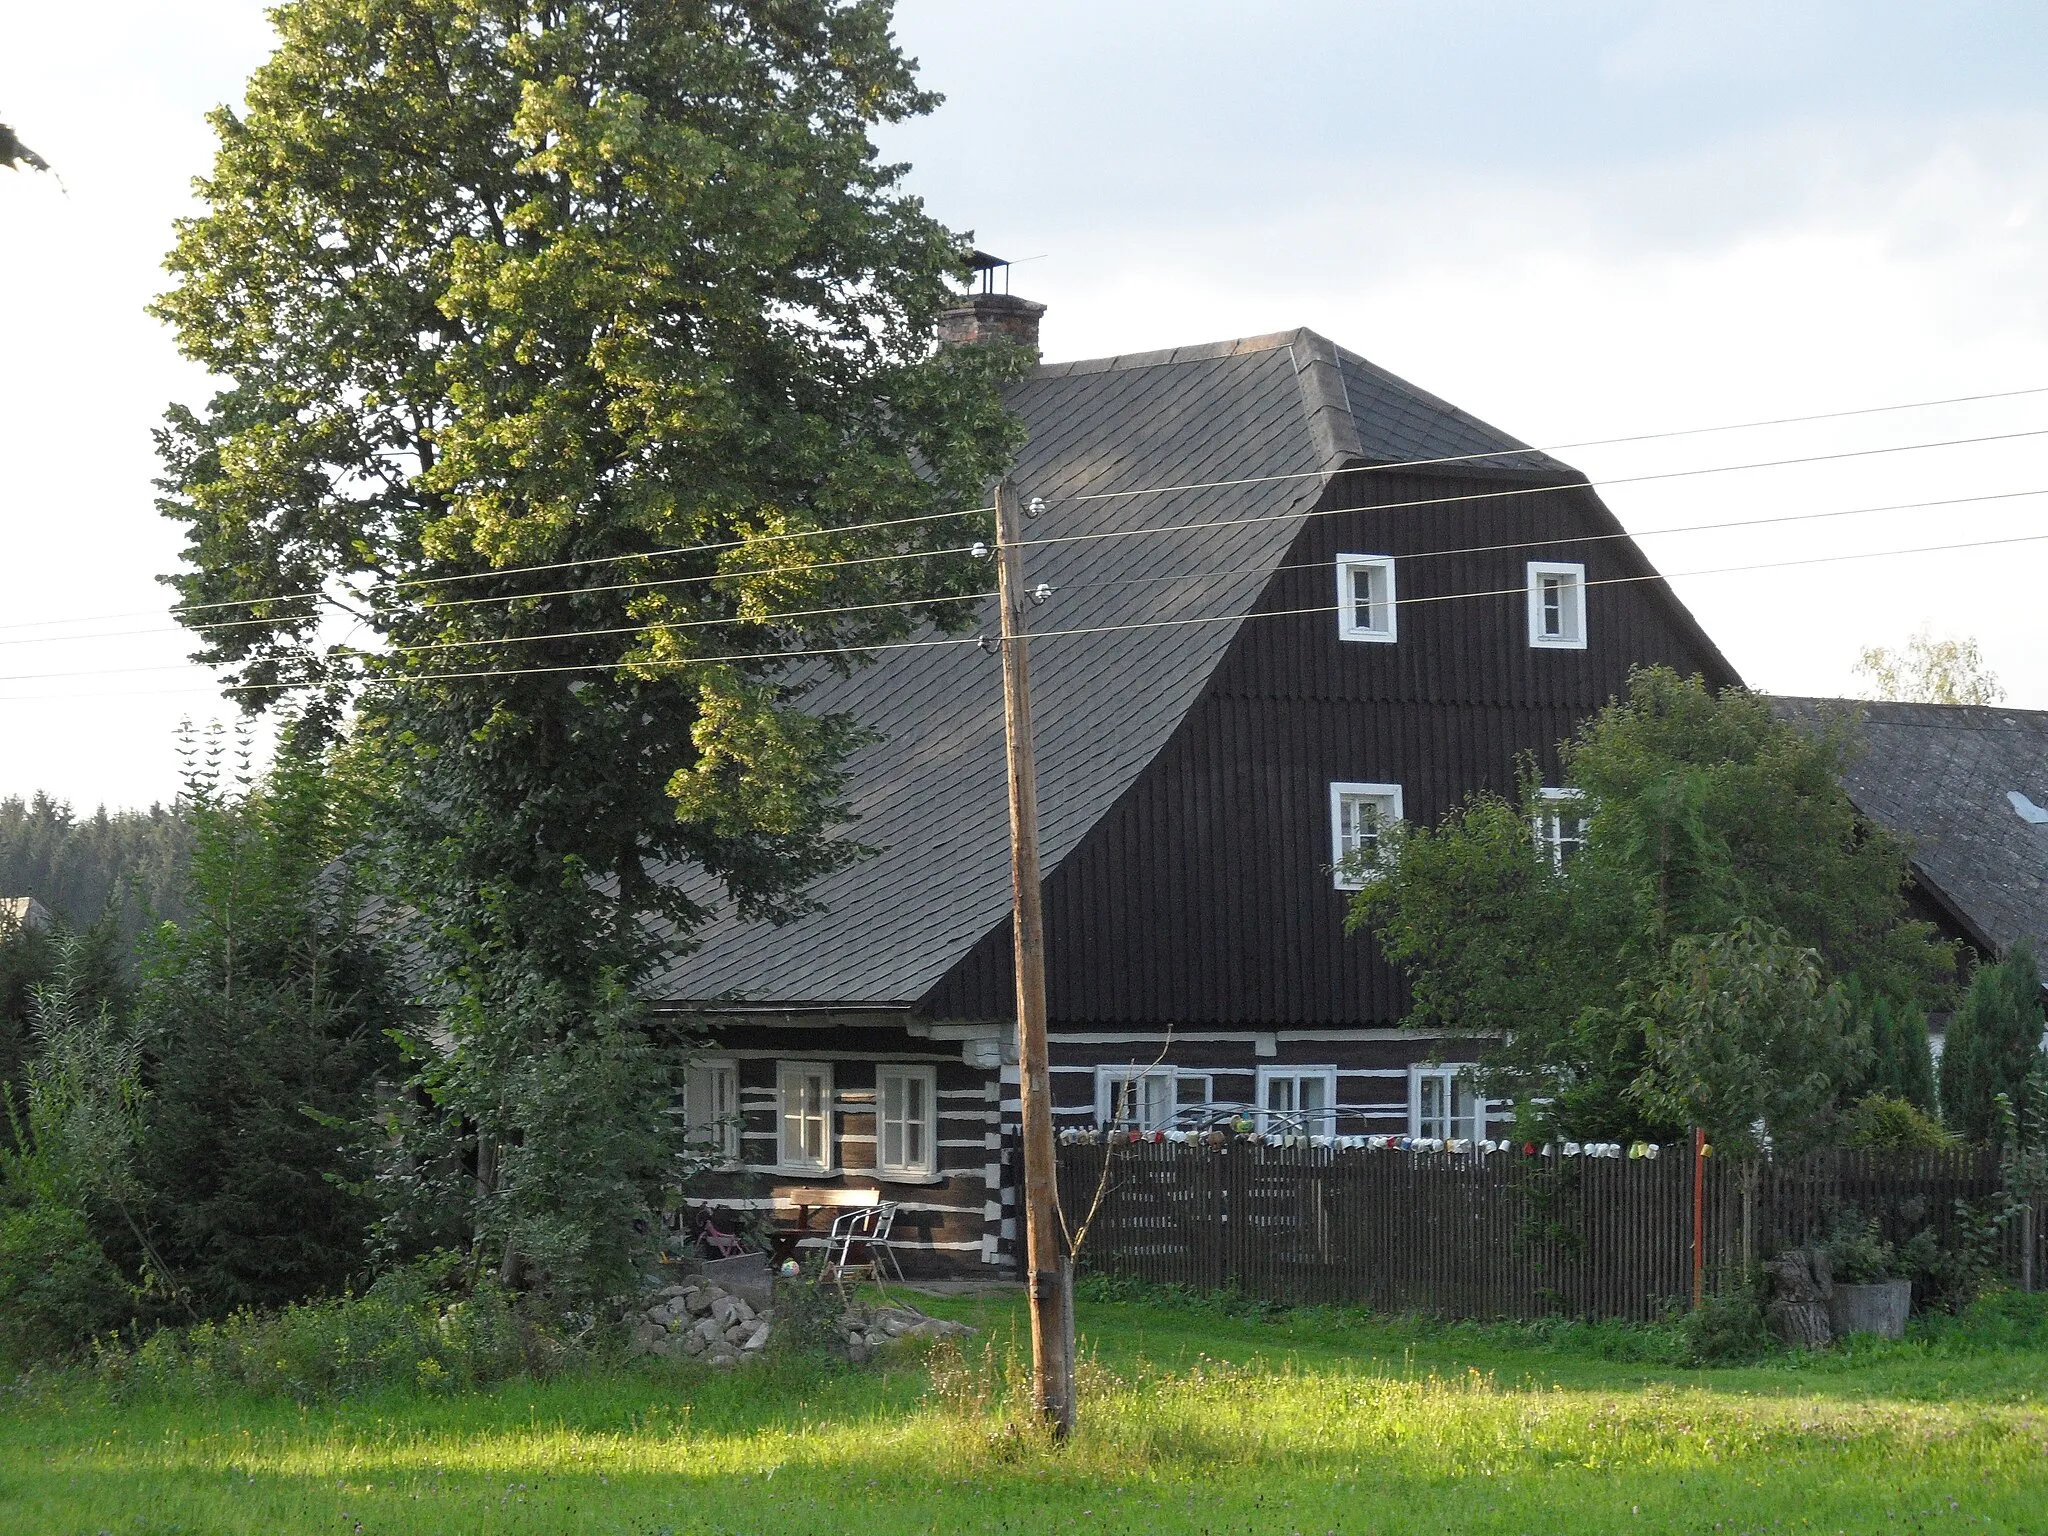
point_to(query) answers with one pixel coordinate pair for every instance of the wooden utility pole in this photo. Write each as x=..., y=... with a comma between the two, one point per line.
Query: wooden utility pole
x=1052, y=1365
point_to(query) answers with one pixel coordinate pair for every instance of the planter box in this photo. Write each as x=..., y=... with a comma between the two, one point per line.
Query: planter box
x=1880, y=1309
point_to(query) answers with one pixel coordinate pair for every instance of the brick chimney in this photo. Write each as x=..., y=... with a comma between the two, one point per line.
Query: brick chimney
x=986, y=314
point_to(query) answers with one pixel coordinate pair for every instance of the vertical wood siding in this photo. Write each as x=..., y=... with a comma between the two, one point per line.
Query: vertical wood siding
x=1205, y=895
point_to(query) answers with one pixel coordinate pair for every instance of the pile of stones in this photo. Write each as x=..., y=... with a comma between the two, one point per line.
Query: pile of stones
x=702, y=1320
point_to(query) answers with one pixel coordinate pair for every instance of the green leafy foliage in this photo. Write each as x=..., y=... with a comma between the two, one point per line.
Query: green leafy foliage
x=1743, y=1031
x=263, y=1016
x=1994, y=1042
x=411, y=1331
x=1901, y=1062
x=588, y=343
x=1882, y=1122
x=1705, y=813
x=70, y=1173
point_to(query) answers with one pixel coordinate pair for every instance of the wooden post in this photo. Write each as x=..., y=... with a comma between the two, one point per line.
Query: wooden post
x=1699, y=1218
x=1052, y=1367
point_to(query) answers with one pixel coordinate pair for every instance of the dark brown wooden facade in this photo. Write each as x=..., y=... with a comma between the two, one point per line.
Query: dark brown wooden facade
x=1194, y=924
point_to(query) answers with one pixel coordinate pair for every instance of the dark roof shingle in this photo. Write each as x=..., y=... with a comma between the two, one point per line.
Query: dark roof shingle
x=1959, y=781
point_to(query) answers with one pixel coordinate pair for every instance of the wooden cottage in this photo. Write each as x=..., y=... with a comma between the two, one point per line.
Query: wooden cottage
x=1289, y=597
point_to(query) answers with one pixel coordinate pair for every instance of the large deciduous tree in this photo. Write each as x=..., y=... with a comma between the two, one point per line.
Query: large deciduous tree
x=578, y=350
x=1572, y=978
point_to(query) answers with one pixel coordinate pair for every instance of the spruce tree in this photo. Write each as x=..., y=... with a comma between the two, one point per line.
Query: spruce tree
x=1994, y=1041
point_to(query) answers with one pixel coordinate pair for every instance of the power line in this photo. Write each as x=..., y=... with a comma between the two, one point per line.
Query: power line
x=1205, y=524
x=1098, y=629
x=1071, y=586
x=1641, y=437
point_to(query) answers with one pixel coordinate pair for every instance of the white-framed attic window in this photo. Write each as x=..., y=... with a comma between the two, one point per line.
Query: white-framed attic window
x=1557, y=606
x=1358, y=814
x=1366, y=606
x=1560, y=824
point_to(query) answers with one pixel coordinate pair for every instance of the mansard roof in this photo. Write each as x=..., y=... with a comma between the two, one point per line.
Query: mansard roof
x=1253, y=429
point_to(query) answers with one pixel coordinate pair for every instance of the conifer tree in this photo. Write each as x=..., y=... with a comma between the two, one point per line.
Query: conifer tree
x=1993, y=1044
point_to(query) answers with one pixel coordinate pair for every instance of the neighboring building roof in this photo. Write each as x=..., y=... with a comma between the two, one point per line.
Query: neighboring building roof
x=1969, y=786
x=930, y=794
x=23, y=912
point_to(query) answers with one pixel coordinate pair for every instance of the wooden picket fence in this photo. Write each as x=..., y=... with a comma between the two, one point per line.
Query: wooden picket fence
x=1500, y=1236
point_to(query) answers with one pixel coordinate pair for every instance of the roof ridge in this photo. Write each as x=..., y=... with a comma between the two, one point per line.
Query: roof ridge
x=1236, y=346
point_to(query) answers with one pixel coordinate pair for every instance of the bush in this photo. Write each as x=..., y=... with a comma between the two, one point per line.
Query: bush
x=407, y=1332
x=57, y=1288
x=1858, y=1254
x=1726, y=1330
x=1883, y=1122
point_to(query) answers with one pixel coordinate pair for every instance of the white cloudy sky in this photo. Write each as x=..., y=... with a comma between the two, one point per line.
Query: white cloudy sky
x=1578, y=220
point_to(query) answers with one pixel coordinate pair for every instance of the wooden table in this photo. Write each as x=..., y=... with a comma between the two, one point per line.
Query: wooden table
x=783, y=1242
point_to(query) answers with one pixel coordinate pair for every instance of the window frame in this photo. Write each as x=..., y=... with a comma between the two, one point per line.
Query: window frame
x=1326, y=1075
x=721, y=1132
x=1340, y=790
x=1548, y=823
x=927, y=1123
x=787, y=1073
x=1108, y=1079
x=1448, y=1073
x=1348, y=627
x=1573, y=638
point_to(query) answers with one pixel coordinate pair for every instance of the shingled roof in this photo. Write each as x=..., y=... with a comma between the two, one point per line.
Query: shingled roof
x=929, y=795
x=1969, y=786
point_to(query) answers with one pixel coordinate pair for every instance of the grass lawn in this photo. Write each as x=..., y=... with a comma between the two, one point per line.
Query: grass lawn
x=1192, y=1422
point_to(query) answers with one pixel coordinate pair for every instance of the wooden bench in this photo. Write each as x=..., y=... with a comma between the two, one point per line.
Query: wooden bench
x=783, y=1242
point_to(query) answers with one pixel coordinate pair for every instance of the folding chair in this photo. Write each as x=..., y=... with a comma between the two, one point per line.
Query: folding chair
x=859, y=1240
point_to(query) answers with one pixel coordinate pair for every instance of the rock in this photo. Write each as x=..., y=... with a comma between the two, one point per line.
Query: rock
x=689, y=1343
x=722, y=1357
x=758, y=1339
x=669, y=1292
x=666, y=1313
x=646, y=1338
x=860, y=1353
x=737, y=1333
x=708, y=1330
x=725, y=1309
x=697, y=1301
x=677, y=1346
x=742, y=1310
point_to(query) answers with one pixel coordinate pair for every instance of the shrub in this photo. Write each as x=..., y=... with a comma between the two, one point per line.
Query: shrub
x=1994, y=1041
x=1883, y=1122
x=57, y=1287
x=1727, y=1329
x=408, y=1332
x=1858, y=1254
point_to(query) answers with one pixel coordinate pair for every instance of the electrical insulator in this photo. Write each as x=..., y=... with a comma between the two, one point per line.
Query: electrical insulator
x=979, y=550
x=1035, y=507
x=1040, y=593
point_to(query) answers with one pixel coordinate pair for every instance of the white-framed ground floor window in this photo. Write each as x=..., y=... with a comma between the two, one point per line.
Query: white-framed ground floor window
x=1146, y=1098
x=711, y=1108
x=906, y=1122
x=1299, y=1100
x=1444, y=1104
x=803, y=1095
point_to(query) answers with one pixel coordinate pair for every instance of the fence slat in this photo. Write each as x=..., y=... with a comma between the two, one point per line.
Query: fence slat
x=1495, y=1236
